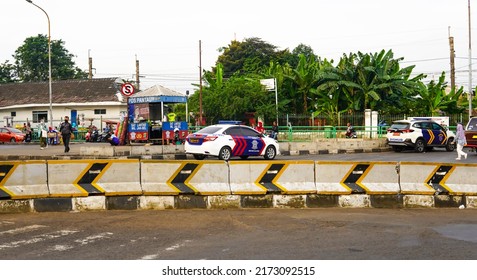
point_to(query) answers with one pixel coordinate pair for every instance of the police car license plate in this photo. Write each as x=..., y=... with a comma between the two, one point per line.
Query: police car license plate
x=194, y=140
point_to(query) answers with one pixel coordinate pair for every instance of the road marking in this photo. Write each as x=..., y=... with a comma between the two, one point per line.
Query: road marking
x=37, y=239
x=82, y=242
x=171, y=248
x=22, y=229
x=93, y=238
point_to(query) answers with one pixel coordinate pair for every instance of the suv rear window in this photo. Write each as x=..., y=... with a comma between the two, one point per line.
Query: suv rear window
x=399, y=126
x=472, y=125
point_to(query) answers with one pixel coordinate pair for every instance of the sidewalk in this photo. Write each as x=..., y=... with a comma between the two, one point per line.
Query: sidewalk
x=32, y=150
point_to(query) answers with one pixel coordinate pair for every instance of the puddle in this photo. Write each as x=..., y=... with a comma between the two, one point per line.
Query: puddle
x=464, y=232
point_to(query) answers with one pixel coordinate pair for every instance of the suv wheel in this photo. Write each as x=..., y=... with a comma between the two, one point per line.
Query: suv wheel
x=420, y=146
x=450, y=146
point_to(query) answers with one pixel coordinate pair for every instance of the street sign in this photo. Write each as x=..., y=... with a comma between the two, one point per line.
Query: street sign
x=127, y=89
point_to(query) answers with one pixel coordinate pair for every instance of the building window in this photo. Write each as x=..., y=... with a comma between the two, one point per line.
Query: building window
x=100, y=111
x=13, y=114
x=38, y=115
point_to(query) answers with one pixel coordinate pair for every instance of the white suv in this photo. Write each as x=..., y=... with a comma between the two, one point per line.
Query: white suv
x=421, y=135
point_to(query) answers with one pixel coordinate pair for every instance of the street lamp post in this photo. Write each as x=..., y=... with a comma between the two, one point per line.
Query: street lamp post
x=187, y=109
x=49, y=62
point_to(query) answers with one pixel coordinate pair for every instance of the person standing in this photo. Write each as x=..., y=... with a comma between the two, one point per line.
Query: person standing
x=275, y=130
x=66, y=129
x=461, y=141
x=260, y=127
x=42, y=133
x=28, y=133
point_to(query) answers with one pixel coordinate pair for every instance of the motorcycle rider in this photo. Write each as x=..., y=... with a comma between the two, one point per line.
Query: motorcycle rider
x=350, y=132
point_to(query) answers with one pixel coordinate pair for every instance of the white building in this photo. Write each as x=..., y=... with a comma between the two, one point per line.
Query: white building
x=86, y=102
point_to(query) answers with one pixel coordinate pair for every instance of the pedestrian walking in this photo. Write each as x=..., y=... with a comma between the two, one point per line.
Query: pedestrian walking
x=42, y=133
x=66, y=129
x=28, y=133
x=461, y=141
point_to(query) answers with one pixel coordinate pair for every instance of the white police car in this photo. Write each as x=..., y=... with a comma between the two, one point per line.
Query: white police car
x=419, y=134
x=227, y=140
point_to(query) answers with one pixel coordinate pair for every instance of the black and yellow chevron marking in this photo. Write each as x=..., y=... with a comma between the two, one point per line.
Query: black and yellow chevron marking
x=86, y=181
x=5, y=172
x=269, y=176
x=438, y=178
x=352, y=180
x=180, y=179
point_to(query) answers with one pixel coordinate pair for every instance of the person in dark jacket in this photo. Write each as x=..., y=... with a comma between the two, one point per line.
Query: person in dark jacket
x=66, y=129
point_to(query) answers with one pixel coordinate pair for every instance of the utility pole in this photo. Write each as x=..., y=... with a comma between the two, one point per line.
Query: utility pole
x=470, y=65
x=200, y=82
x=90, y=66
x=452, y=63
x=137, y=73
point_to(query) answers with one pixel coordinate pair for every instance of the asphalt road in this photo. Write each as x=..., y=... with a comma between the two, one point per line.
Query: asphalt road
x=242, y=234
x=436, y=155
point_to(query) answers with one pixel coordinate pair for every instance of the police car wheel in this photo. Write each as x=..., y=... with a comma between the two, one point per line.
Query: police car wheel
x=420, y=146
x=225, y=153
x=270, y=153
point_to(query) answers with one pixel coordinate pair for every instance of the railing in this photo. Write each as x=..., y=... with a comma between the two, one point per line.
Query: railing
x=312, y=133
x=290, y=133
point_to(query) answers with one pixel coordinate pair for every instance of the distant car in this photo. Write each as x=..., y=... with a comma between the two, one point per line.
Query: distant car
x=228, y=140
x=420, y=135
x=471, y=133
x=9, y=134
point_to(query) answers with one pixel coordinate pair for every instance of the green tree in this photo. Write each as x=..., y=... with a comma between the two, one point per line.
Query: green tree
x=248, y=56
x=433, y=99
x=301, y=49
x=7, y=73
x=31, y=60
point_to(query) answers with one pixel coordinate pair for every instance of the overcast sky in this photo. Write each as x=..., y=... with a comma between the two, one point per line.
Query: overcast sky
x=164, y=35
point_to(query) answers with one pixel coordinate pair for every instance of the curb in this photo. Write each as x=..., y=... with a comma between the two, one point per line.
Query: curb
x=179, y=156
x=266, y=201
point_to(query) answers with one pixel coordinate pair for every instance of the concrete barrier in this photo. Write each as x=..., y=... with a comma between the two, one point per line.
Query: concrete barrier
x=184, y=177
x=461, y=179
x=23, y=179
x=423, y=178
x=74, y=178
x=357, y=177
x=380, y=178
x=260, y=177
x=332, y=178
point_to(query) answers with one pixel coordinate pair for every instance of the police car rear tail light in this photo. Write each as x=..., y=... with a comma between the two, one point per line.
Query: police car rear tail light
x=210, y=138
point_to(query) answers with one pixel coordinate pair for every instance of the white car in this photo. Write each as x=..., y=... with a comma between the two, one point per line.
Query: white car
x=421, y=135
x=227, y=140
